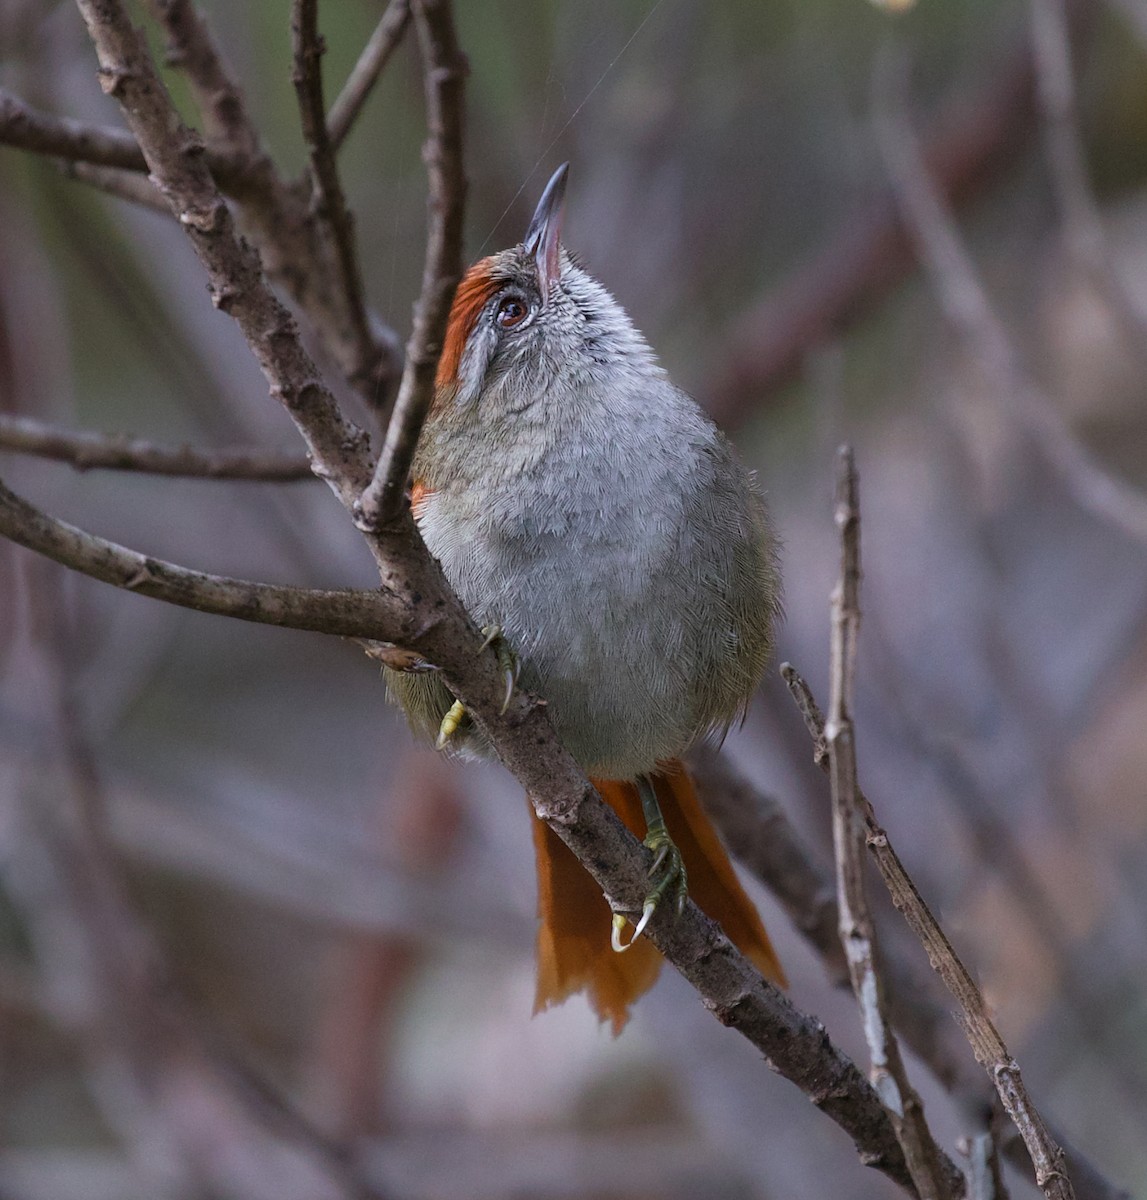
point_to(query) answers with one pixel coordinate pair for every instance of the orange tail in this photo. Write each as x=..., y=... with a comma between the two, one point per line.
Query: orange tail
x=573, y=942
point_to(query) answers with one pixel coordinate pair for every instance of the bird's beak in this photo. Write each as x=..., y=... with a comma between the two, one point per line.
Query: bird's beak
x=544, y=236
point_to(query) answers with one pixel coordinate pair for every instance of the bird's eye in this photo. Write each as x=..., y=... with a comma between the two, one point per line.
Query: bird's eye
x=511, y=311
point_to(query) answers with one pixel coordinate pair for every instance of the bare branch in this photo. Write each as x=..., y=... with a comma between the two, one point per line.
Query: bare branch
x=989, y=1048
x=371, y=63
x=26, y=128
x=279, y=215
x=756, y=830
x=921, y=1022
x=123, y=185
x=117, y=452
x=857, y=931
x=360, y=614
x=759, y=835
x=985, y=1172
x=218, y=95
x=445, y=72
x=966, y=306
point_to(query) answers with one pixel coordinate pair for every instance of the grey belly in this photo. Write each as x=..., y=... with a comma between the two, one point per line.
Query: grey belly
x=595, y=641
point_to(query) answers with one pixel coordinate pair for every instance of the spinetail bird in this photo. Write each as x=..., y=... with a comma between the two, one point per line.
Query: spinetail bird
x=599, y=527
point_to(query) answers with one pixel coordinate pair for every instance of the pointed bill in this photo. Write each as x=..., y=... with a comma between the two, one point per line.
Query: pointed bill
x=544, y=237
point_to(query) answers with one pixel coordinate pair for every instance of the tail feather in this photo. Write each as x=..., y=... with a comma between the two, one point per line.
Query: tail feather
x=574, y=951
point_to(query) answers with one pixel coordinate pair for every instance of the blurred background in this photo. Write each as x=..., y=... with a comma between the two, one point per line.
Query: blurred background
x=246, y=923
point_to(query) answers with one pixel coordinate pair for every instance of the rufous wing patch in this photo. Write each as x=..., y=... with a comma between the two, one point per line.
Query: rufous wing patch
x=420, y=492
x=475, y=290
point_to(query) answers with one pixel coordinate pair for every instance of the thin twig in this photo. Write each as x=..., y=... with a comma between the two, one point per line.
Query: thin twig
x=1063, y=140
x=985, y=1172
x=857, y=931
x=327, y=197
x=279, y=214
x=444, y=72
x=966, y=305
x=989, y=1048
x=27, y=128
x=371, y=63
x=114, y=181
x=347, y=613
x=117, y=452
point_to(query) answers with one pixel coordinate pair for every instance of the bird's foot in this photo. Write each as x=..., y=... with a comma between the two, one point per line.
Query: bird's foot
x=508, y=661
x=669, y=880
x=510, y=666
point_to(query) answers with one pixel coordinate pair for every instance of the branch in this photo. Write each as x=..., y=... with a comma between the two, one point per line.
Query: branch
x=760, y=837
x=445, y=71
x=991, y=1052
x=27, y=128
x=376, y=54
x=985, y=1171
x=117, y=452
x=114, y=181
x=347, y=613
x=857, y=931
x=794, y=1045
x=218, y=95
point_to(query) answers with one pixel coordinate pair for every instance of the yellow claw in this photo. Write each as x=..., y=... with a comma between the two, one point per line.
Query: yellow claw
x=620, y=921
x=450, y=723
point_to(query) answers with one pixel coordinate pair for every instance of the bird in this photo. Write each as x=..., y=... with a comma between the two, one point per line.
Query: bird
x=620, y=559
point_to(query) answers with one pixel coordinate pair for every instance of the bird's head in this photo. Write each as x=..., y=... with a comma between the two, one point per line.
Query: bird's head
x=528, y=321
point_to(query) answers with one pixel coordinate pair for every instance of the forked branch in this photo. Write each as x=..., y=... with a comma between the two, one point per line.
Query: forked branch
x=987, y=1044
x=88, y=451
x=857, y=931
